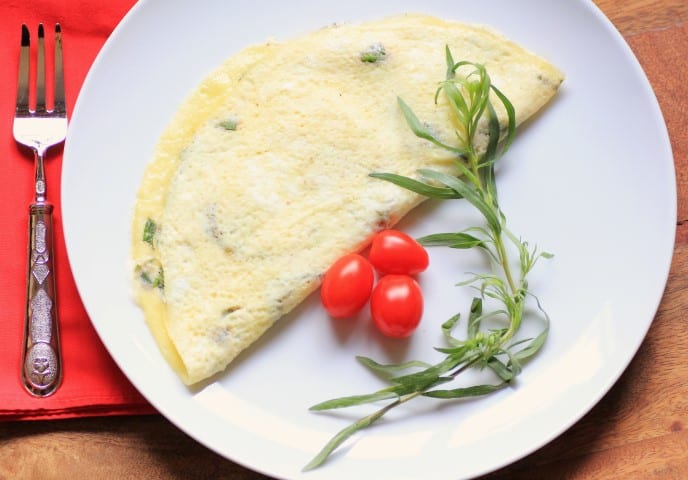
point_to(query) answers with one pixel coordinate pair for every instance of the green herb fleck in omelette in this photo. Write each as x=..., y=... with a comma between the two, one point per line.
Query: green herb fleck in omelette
x=249, y=216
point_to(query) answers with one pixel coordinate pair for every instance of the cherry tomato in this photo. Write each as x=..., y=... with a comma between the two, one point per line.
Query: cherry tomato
x=347, y=285
x=396, y=305
x=393, y=251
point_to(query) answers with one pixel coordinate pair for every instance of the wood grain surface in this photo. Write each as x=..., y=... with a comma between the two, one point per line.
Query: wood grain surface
x=639, y=430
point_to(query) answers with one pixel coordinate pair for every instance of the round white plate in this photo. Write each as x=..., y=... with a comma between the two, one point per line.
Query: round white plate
x=591, y=179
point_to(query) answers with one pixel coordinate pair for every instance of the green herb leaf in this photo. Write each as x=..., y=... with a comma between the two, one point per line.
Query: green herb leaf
x=448, y=328
x=501, y=369
x=422, y=131
x=451, y=68
x=352, y=400
x=474, y=391
x=451, y=240
x=469, y=192
x=344, y=434
x=149, y=230
x=373, y=53
x=390, y=370
x=229, y=124
x=511, y=115
x=475, y=317
x=536, y=344
x=417, y=187
x=151, y=274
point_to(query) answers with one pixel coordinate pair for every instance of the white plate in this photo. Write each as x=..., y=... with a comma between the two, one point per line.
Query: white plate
x=591, y=179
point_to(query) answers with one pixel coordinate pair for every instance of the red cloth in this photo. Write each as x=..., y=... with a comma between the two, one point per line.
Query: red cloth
x=92, y=384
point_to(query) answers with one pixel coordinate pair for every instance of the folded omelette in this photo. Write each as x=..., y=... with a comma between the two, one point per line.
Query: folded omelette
x=261, y=180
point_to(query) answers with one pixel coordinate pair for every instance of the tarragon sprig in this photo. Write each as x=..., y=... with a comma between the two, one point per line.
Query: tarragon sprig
x=469, y=93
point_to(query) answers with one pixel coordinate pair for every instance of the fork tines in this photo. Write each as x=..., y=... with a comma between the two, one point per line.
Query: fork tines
x=22, y=106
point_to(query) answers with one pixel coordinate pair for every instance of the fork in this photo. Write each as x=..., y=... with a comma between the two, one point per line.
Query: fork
x=39, y=129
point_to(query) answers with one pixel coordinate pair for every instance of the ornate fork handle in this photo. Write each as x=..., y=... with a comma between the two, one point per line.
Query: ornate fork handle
x=41, y=358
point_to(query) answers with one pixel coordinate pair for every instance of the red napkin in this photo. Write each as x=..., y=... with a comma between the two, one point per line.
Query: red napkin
x=92, y=384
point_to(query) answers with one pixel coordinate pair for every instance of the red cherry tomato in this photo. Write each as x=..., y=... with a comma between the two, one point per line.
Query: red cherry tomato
x=396, y=305
x=393, y=251
x=347, y=286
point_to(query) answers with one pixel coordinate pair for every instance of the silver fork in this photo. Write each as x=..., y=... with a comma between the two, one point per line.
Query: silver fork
x=39, y=129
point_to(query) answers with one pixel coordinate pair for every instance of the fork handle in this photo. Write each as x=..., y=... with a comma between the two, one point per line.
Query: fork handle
x=41, y=355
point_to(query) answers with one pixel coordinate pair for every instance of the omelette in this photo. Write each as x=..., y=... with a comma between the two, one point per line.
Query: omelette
x=261, y=180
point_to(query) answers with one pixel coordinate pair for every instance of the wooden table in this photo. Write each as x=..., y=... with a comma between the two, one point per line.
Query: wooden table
x=638, y=430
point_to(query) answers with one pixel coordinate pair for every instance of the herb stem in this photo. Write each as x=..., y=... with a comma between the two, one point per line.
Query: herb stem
x=469, y=98
x=504, y=262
